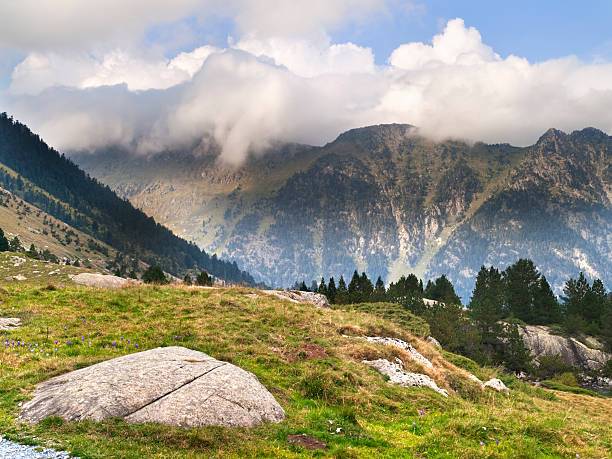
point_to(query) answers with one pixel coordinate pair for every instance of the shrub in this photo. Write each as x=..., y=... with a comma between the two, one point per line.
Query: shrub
x=551, y=366
x=154, y=275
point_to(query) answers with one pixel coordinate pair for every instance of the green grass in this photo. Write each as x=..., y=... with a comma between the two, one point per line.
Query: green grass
x=555, y=385
x=264, y=335
x=393, y=312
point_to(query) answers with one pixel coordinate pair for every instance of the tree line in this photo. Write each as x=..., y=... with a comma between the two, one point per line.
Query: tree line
x=487, y=329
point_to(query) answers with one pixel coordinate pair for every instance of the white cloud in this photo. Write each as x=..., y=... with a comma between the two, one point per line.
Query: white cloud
x=291, y=88
x=309, y=58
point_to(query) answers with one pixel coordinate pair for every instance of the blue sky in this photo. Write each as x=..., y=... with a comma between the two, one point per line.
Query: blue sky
x=152, y=74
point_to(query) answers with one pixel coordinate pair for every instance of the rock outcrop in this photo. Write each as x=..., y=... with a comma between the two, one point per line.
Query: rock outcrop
x=397, y=375
x=101, y=280
x=540, y=341
x=171, y=385
x=296, y=296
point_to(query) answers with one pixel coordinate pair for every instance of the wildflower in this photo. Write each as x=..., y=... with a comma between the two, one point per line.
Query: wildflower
x=114, y=343
x=47, y=354
x=481, y=443
x=497, y=442
x=55, y=349
x=175, y=337
x=122, y=338
x=68, y=341
x=55, y=341
x=420, y=412
x=64, y=328
x=414, y=424
x=128, y=341
x=82, y=338
x=137, y=346
x=420, y=426
x=89, y=343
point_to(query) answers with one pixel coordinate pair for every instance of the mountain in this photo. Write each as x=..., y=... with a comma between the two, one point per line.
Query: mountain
x=385, y=200
x=41, y=176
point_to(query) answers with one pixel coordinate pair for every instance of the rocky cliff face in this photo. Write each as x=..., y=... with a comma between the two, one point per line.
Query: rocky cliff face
x=540, y=341
x=384, y=200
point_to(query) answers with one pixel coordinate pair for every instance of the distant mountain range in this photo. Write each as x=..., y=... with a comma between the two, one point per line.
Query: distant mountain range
x=39, y=175
x=385, y=200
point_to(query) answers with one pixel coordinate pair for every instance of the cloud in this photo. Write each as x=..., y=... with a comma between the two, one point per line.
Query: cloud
x=267, y=89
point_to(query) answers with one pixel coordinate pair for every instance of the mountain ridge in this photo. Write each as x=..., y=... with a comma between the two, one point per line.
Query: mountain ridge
x=388, y=201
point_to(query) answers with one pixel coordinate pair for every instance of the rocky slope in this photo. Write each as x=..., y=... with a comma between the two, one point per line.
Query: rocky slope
x=385, y=200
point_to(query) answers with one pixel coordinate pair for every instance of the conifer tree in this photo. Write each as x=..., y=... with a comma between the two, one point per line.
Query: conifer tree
x=486, y=307
x=521, y=282
x=331, y=290
x=4, y=244
x=547, y=307
x=342, y=292
x=379, y=290
x=322, y=289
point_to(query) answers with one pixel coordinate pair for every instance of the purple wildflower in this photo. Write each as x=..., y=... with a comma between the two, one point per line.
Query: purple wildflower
x=137, y=346
x=481, y=443
x=114, y=343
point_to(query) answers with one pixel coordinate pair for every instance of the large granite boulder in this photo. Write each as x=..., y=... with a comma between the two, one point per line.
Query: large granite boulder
x=171, y=385
x=540, y=341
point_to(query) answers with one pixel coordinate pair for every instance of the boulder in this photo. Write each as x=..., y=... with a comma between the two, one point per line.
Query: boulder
x=497, y=385
x=540, y=341
x=101, y=280
x=172, y=385
x=296, y=296
x=397, y=375
x=434, y=342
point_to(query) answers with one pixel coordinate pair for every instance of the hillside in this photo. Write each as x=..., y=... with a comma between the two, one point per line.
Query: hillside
x=309, y=358
x=34, y=226
x=385, y=200
x=42, y=177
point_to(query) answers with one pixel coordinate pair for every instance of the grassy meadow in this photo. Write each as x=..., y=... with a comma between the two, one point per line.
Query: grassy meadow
x=309, y=358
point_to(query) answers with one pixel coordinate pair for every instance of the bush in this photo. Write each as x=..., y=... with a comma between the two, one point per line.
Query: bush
x=567, y=379
x=551, y=366
x=204, y=279
x=154, y=275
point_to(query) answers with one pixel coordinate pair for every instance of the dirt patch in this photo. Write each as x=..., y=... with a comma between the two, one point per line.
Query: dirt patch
x=307, y=442
x=308, y=351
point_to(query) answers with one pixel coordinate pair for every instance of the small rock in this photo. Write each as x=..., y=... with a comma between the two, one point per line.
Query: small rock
x=307, y=442
x=397, y=375
x=435, y=342
x=296, y=296
x=9, y=323
x=412, y=352
x=497, y=385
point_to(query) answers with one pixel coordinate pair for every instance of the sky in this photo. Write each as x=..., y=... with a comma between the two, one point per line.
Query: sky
x=155, y=75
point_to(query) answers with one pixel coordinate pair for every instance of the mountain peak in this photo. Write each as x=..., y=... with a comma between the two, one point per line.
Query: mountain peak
x=551, y=135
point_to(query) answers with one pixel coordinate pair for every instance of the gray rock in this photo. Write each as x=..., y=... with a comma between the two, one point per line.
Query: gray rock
x=296, y=296
x=9, y=323
x=101, y=280
x=431, y=340
x=497, y=385
x=171, y=385
x=397, y=375
x=540, y=341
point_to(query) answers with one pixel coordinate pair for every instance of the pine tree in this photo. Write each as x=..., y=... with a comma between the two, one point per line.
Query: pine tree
x=547, y=307
x=516, y=357
x=15, y=245
x=379, y=290
x=441, y=290
x=331, y=290
x=4, y=244
x=521, y=281
x=154, y=275
x=342, y=292
x=322, y=289
x=187, y=280
x=203, y=279
x=303, y=287
x=486, y=307
x=354, y=292
x=366, y=289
